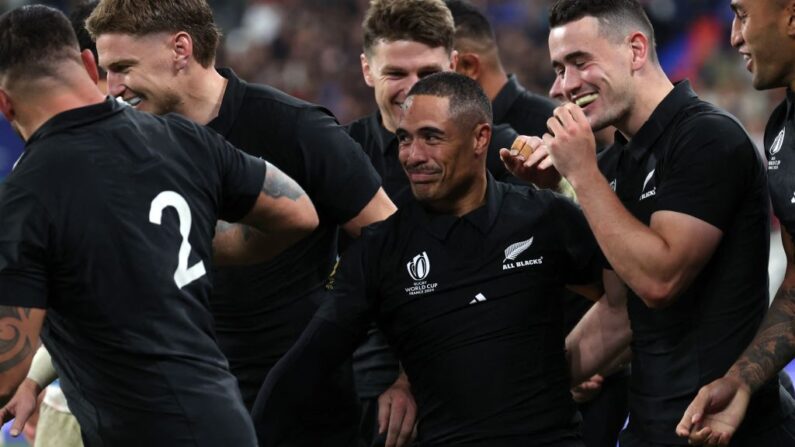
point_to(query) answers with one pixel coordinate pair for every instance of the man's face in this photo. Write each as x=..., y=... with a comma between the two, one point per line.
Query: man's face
x=437, y=153
x=394, y=67
x=140, y=70
x=591, y=71
x=759, y=33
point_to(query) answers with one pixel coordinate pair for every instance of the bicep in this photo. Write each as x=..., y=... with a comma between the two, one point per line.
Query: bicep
x=281, y=204
x=690, y=241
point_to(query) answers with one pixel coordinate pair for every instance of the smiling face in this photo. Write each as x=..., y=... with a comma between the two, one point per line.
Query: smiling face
x=592, y=71
x=441, y=156
x=392, y=68
x=759, y=33
x=140, y=70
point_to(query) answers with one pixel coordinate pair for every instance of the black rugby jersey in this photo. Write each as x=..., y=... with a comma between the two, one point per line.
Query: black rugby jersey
x=473, y=309
x=107, y=223
x=780, y=151
x=261, y=310
x=693, y=158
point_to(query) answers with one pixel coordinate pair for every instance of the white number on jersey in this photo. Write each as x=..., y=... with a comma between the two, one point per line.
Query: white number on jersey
x=184, y=274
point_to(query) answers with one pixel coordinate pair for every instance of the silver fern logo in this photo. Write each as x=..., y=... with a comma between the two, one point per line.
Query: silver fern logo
x=514, y=250
x=419, y=267
x=777, y=143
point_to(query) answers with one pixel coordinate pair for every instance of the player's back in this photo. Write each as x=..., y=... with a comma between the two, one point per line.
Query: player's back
x=127, y=203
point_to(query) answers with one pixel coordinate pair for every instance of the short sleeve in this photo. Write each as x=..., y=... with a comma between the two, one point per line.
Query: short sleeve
x=348, y=303
x=242, y=177
x=583, y=261
x=340, y=178
x=23, y=248
x=707, y=170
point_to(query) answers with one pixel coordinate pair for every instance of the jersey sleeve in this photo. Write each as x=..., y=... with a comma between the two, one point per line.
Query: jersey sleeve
x=349, y=304
x=242, y=177
x=24, y=245
x=340, y=178
x=583, y=258
x=707, y=170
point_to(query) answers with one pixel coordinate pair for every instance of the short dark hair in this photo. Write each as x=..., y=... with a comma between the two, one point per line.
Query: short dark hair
x=471, y=24
x=142, y=17
x=425, y=21
x=78, y=18
x=468, y=106
x=615, y=17
x=33, y=40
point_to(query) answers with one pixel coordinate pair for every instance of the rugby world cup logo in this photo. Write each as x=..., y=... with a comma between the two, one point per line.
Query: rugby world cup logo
x=419, y=267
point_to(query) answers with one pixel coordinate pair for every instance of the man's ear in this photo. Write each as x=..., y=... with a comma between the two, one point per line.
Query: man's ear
x=482, y=139
x=469, y=65
x=641, y=52
x=367, y=70
x=6, y=106
x=91, y=64
x=789, y=12
x=183, y=49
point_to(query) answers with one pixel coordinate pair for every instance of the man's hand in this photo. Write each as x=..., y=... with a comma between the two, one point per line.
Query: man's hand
x=587, y=390
x=536, y=168
x=715, y=413
x=22, y=406
x=570, y=143
x=397, y=413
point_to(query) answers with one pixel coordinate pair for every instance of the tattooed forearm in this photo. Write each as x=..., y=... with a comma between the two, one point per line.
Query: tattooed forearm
x=15, y=344
x=277, y=184
x=774, y=345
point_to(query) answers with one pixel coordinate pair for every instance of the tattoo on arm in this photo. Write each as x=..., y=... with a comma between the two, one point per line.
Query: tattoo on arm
x=277, y=184
x=774, y=345
x=15, y=344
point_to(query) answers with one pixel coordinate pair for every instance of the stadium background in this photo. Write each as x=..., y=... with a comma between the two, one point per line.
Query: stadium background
x=310, y=49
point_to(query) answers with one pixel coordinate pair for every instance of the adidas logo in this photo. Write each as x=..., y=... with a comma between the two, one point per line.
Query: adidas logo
x=479, y=298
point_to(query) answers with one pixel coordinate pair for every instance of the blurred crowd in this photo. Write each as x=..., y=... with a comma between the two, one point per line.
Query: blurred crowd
x=311, y=48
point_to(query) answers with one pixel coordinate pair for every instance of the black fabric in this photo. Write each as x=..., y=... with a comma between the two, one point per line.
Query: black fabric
x=780, y=151
x=261, y=310
x=691, y=157
x=525, y=112
x=289, y=388
x=472, y=307
x=134, y=349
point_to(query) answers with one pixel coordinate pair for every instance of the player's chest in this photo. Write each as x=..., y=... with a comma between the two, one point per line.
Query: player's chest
x=781, y=171
x=431, y=278
x=636, y=183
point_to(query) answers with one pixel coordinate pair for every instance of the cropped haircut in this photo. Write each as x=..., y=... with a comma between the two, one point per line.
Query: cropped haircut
x=78, y=18
x=468, y=105
x=471, y=24
x=425, y=21
x=617, y=18
x=143, y=17
x=34, y=40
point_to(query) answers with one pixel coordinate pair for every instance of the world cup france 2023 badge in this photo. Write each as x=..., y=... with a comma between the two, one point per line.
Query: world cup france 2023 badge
x=419, y=268
x=774, y=163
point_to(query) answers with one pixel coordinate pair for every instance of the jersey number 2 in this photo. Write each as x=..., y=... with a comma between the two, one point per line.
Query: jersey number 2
x=184, y=274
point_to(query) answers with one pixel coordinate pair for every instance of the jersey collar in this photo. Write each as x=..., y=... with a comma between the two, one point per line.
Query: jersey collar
x=505, y=98
x=76, y=118
x=482, y=218
x=230, y=104
x=677, y=99
x=385, y=137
